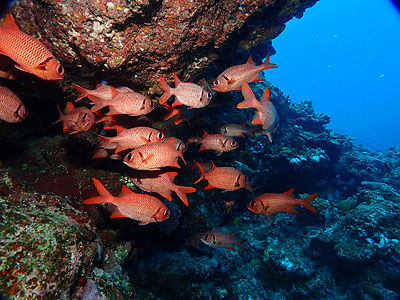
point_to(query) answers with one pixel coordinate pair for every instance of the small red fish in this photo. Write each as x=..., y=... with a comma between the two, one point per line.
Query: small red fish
x=152, y=157
x=195, y=239
x=163, y=184
x=186, y=93
x=28, y=53
x=140, y=207
x=226, y=178
x=236, y=130
x=131, y=104
x=76, y=119
x=266, y=114
x=229, y=205
x=102, y=91
x=218, y=142
x=232, y=78
x=130, y=138
x=179, y=145
x=11, y=108
x=220, y=239
x=272, y=203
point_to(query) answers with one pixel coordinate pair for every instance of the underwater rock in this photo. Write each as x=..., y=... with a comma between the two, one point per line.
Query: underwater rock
x=152, y=38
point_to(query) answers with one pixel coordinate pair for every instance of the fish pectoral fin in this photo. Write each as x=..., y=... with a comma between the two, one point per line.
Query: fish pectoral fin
x=143, y=223
x=257, y=119
x=209, y=186
x=145, y=160
x=22, y=68
x=167, y=196
x=117, y=214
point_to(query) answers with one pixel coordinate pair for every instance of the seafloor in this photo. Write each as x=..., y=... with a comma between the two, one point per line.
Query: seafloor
x=54, y=247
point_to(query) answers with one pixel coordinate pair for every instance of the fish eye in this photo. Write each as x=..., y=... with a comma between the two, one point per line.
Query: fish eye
x=160, y=136
x=129, y=156
x=60, y=69
x=252, y=204
x=233, y=143
x=84, y=116
x=216, y=82
x=209, y=95
x=167, y=213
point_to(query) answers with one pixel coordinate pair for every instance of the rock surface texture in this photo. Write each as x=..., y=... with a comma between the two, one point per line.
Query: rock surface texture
x=151, y=38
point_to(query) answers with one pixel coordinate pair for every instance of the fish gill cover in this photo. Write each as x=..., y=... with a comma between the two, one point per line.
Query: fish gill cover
x=181, y=173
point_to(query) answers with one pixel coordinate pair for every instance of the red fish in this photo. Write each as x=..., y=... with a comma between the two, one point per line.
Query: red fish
x=218, y=142
x=226, y=178
x=235, y=130
x=28, y=53
x=266, y=114
x=232, y=78
x=220, y=239
x=163, y=184
x=272, y=203
x=76, y=119
x=186, y=93
x=11, y=108
x=130, y=138
x=102, y=91
x=131, y=104
x=140, y=207
x=152, y=157
x=179, y=145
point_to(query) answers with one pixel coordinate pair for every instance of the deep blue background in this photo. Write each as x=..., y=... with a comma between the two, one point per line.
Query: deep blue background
x=344, y=55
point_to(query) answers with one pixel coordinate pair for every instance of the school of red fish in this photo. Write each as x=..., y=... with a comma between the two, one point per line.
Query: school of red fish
x=146, y=149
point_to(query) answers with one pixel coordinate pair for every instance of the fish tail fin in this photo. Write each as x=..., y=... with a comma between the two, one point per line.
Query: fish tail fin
x=167, y=91
x=181, y=191
x=306, y=202
x=82, y=91
x=61, y=115
x=101, y=152
x=240, y=243
x=172, y=112
x=249, y=98
x=201, y=171
x=105, y=142
x=104, y=195
x=267, y=64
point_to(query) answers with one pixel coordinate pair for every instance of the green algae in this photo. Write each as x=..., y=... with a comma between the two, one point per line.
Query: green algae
x=41, y=250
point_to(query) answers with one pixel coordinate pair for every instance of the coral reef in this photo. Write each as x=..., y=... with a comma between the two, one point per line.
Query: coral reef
x=153, y=38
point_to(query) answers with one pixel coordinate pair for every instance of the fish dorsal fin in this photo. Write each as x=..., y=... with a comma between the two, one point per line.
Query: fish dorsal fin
x=8, y=23
x=69, y=107
x=250, y=60
x=265, y=97
x=114, y=92
x=289, y=193
x=177, y=80
x=172, y=175
x=125, y=191
x=118, y=128
x=212, y=167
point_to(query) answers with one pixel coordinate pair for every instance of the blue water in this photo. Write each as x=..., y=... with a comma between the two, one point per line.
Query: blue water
x=345, y=56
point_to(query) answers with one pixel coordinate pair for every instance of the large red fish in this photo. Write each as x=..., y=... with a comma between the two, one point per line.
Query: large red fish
x=232, y=78
x=272, y=203
x=11, y=108
x=226, y=178
x=152, y=157
x=220, y=239
x=29, y=54
x=129, y=103
x=76, y=119
x=140, y=207
x=130, y=138
x=266, y=114
x=218, y=142
x=186, y=93
x=163, y=184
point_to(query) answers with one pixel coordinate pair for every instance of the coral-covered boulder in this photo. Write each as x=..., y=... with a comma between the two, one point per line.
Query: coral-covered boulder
x=151, y=38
